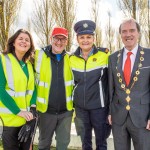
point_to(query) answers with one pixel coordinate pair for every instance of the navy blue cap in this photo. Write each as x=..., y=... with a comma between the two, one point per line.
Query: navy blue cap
x=85, y=27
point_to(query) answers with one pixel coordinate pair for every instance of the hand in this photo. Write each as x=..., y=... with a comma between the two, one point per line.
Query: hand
x=148, y=125
x=26, y=115
x=33, y=111
x=109, y=120
x=27, y=130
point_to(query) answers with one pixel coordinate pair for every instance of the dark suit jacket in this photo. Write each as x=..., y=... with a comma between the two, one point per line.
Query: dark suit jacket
x=140, y=93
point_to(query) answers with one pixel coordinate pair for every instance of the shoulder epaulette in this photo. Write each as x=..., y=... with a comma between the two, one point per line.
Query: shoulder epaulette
x=105, y=50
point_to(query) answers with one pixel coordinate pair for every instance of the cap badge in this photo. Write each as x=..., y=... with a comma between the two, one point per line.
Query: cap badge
x=94, y=59
x=106, y=51
x=85, y=25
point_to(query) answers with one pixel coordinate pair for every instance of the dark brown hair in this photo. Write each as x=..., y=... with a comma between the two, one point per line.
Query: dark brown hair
x=11, y=49
x=130, y=20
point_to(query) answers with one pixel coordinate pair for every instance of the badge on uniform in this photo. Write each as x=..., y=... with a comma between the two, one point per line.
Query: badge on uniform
x=106, y=51
x=94, y=59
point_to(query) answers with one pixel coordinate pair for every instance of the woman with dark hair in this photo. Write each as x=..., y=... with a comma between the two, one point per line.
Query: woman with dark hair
x=17, y=88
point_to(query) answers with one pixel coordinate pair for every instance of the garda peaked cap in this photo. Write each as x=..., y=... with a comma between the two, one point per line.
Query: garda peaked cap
x=85, y=27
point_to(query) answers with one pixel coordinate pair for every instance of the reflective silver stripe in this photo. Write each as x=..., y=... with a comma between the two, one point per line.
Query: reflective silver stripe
x=12, y=92
x=101, y=94
x=39, y=60
x=88, y=70
x=41, y=83
x=41, y=100
x=69, y=98
x=15, y=94
x=19, y=94
x=68, y=83
x=104, y=66
x=9, y=73
x=36, y=79
x=29, y=92
x=74, y=90
x=101, y=91
x=79, y=70
x=7, y=111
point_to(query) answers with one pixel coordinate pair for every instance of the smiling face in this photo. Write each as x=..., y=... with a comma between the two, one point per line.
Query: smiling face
x=59, y=43
x=129, y=34
x=85, y=42
x=22, y=44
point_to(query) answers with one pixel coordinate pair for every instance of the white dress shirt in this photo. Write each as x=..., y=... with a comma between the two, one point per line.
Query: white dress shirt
x=132, y=56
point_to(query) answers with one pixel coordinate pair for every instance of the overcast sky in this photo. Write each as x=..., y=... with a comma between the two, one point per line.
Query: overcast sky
x=83, y=12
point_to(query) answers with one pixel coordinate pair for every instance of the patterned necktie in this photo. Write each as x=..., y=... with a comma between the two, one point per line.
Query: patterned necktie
x=127, y=69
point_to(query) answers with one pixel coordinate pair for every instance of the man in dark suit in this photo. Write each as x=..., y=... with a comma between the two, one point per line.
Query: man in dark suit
x=129, y=91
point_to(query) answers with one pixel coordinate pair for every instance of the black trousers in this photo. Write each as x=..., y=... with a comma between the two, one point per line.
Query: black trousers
x=10, y=139
x=96, y=119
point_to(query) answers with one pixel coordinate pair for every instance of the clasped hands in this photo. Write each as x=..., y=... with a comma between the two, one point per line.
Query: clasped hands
x=27, y=131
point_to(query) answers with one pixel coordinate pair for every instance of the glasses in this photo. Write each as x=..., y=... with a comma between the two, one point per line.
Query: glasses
x=62, y=40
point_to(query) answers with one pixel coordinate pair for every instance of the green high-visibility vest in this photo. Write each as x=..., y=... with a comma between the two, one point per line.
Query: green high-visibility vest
x=43, y=80
x=19, y=87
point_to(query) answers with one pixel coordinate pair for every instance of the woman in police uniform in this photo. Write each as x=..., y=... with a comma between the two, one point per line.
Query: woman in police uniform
x=89, y=65
x=17, y=89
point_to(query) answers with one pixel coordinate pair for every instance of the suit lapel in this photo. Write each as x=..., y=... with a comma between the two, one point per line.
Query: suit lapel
x=119, y=65
x=136, y=63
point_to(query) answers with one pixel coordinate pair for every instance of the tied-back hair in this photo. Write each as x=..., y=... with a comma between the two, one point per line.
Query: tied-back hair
x=29, y=55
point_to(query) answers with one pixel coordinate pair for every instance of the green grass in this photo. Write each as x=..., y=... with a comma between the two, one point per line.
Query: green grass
x=36, y=148
x=1, y=148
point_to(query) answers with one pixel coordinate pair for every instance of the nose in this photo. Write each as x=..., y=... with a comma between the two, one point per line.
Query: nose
x=85, y=40
x=23, y=40
x=59, y=41
x=128, y=33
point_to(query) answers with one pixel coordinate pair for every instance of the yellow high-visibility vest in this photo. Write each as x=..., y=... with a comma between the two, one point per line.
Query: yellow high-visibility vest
x=43, y=80
x=19, y=87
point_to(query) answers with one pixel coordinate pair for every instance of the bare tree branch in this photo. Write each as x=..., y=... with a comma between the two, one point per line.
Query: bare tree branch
x=64, y=13
x=8, y=15
x=95, y=14
x=137, y=9
x=43, y=21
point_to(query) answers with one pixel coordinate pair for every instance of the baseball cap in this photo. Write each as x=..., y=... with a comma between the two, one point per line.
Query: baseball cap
x=60, y=31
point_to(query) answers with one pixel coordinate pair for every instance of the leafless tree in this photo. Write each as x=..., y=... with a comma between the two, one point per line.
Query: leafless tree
x=110, y=34
x=147, y=32
x=8, y=15
x=128, y=7
x=139, y=10
x=95, y=15
x=118, y=44
x=64, y=14
x=43, y=21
